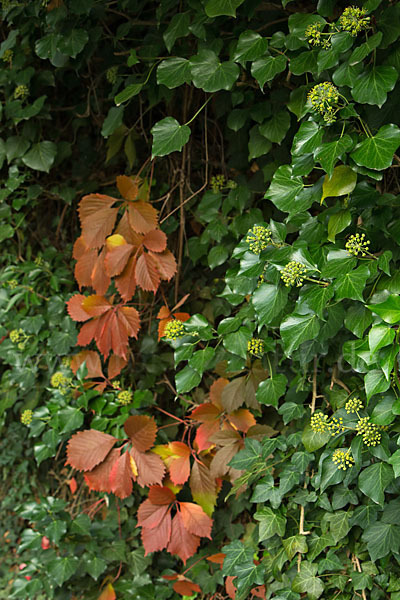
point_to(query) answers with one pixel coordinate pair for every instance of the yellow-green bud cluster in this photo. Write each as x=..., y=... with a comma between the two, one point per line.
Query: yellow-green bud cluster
x=258, y=238
x=370, y=433
x=21, y=91
x=125, y=397
x=17, y=336
x=343, y=459
x=336, y=426
x=12, y=284
x=232, y=185
x=324, y=98
x=255, y=346
x=66, y=361
x=7, y=56
x=60, y=381
x=293, y=274
x=319, y=422
x=174, y=329
x=26, y=417
x=39, y=261
x=357, y=244
x=217, y=183
x=314, y=36
x=353, y=20
x=353, y=405
x=111, y=74
x=116, y=384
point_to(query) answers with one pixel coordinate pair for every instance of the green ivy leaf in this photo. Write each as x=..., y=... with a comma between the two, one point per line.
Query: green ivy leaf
x=284, y=188
x=186, y=380
x=73, y=42
x=312, y=440
x=237, y=342
x=95, y=566
x=41, y=156
x=216, y=8
x=209, y=74
x=295, y=544
x=129, y=92
x=266, y=68
x=307, y=582
x=337, y=223
x=177, y=28
x=327, y=154
x=375, y=383
x=306, y=62
x=383, y=412
x=62, y=568
x=250, y=46
x=381, y=539
x=388, y=310
x=112, y=121
x=372, y=86
x=271, y=522
x=258, y=144
x=394, y=460
x=339, y=525
x=373, y=481
x=352, y=284
x=173, y=72
x=236, y=553
x=270, y=390
x=376, y=152
x=380, y=336
x=362, y=51
x=268, y=301
x=307, y=139
x=276, y=128
x=169, y=136
x=296, y=329
x=315, y=298
x=342, y=182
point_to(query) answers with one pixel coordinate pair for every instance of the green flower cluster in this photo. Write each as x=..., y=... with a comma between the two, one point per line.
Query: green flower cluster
x=17, y=335
x=370, y=433
x=324, y=98
x=357, y=244
x=342, y=459
x=12, y=284
x=217, y=182
x=174, y=329
x=314, y=36
x=335, y=426
x=353, y=20
x=116, y=384
x=39, y=261
x=258, y=238
x=21, y=91
x=111, y=74
x=26, y=417
x=319, y=422
x=255, y=346
x=293, y=273
x=60, y=382
x=7, y=56
x=353, y=405
x=125, y=397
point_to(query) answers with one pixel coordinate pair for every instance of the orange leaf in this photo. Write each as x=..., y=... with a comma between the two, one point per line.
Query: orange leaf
x=79, y=248
x=75, y=310
x=181, y=301
x=150, y=515
x=150, y=467
x=158, y=537
x=87, y=332
x=146, y=273
x=73, y=486
x=217, y=558
x=161, y=495
x=126, y=282
x=155, y=240
x=85, y=265
x=124, y=228
x=176, y=456
x=117, y=258
x=92, y=360
x=86, y=449
x=229, y=587
x=204, y=433
x=97, y=218
x=100, y=279
x=195, y=519
x=186, y=587
x=128, y=187
x=166, y=264
x=143, y=217
x=108, y=593
x=129, y=318
x=216, y=391
x=115, y=366
x=142, y=431
x=164, y=313
x=182, y=542
x=95, y=306
x=203, y=487
x=242, y=419
x=259, y=592
x=121, y=476
x=99, y=478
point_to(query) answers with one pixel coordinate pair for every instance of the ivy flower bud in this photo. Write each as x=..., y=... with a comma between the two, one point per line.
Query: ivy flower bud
x=336, y=426
x=111, y=74
x=370, y=433
x=255, y=346
x=319, y=422
x=292, y=274
x=58, y=380
x=174, y=329
x=125, y=397
x=26, y=417
x=342, y=459
x=313, y=34
x=353, y=20
x=357, y=244
x=16, y=335
x=258, y=238
x=21, y=91
x=217, y=183
x=324, y=98
x=353, y=405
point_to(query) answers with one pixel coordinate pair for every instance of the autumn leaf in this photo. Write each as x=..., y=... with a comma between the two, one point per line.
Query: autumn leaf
x=86, y=449
x=182, y=543
x=115, y=366
x=176, y=455
x=108, y=593
x=165, y=264
x=142, y=431
x=150, y=467
x=182, y=585
x=126, y=282
x=121, y=476
x=97, y=218
x=92, y=361
x=161, y=495
x=99, y=478
x=117, y=256
x=143, y=217
x=128, y=187
x=203, y=487
x=158, y=537
x=146, y=273
x=155, y=240
x=150, y=515
x=195, y=519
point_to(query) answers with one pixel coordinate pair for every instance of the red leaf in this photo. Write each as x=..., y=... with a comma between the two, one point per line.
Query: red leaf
x=142, y=431
x=121, y=476
x=150, y=515
x=126, y=282
x=259, y=592
x=158, y=537
x=87, y=332
x=97, y=218
x=155, y=240
x=150, y=468
x=115, y=366
x=166, y=264
x=45, y=543
x=92, y=360
x=75, y=310
x=95, y=306
x=129, y=318
x=99, y=478
x=73, y=486
x=128, y=187
x=183, y=543
x=216, y=391
x=117, y=258
x=86, y=449
x=108, y=593
x=186, y=587
x=176, y=456
x=146, y=273
x=206, y=412
x=143, y=216
x=161, y=495
x=100, y=279
x=217, y=558
x=242, y=419
x=195, y=519
x=85, y=265
x=229, y=587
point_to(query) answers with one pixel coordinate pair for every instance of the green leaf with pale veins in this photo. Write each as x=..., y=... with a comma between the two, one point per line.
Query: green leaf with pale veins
x=173, y=72
x=342, y=182
x=388, y=310
x=381, y=539
x=377, y=152
x=373, y=481
x=211, y=75
x=307, y=582
x=250, y=46
x=380, y=336
x=284, y=188
x=316, y=298
x=271, y=522
x=295, y=544
x=339, y=525
x=169, y=136
x=236, y=554
x=327, y=154
x=269, y=300
x=267, y=67
x=276, y=128
x=373, y=85
x=216, y=8
x=41, y=156
x=296, y=329
x=307, y=139
x=62, y=568
x=312, y=440
x=270, y=390
x=352, y=284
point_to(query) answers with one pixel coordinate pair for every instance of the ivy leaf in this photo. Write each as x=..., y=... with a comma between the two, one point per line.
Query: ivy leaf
x=258, y=144
x=307, y=139
x=373, y=481
x=327, y=154
x=337, y=223
x=394, y=460
x=251, y=45
x=381, y=539
x=295, y=544
x=112, y=121
x=271, y=522
x=41, y=156
x=209, y=74
x=352, y=284
x=276, y=128
x=236, y=554
x=376, y=152
x=342, y=182
x=178, y=27
x=95, y=566
x=169, y=136
x=284, y=188
x=383, y=415
x=362, y=51
x=186, y=380
x=266, y=68
x=270, y=390
x=339, y=525
x=380, y=336
x=307, y=582
x=296, y=329
x=61, y=569
x=375, y=383
x=372, y=86
x=388, y=310
x=173, y=72
x=216, y=8
x=268, y=301
x=131, y=90
x=312, y=440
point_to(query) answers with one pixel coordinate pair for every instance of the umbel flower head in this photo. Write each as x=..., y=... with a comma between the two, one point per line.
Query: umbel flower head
x=293, y=273
x=353, y=405
x=342, y=459
x=324, y=98
x=353, y=20
x=370, y=433
x=255, y=346
x=319, y=422
x=125, y=397
x=21, y=91
x=174, y=329
x=357, y=244
x=217, y=183
x=258, y=238
x=336, y=426
x=26, y=417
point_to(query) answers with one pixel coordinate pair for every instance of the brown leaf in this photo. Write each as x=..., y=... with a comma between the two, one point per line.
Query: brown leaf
x=121, y=476
x=203, y=487
x=126, y=282
x=182, y=542
x=92, y=360
x=155, y=240
x=143, y=217
x=161, y=495
x=216, y=391
x=233, y=394
x=128, y=187
x=185, y=587
x=151, y=468
x=115, y=366
x=86, y=449
x=146, y=273
x=166, y=264
x=158, y=537
x=142, y=431
x=150, y=515
x=99, y=478
x=97, y=218
x=100, y=280
x=195, y=519
x=75, y=310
